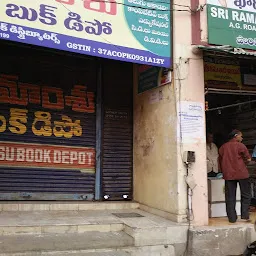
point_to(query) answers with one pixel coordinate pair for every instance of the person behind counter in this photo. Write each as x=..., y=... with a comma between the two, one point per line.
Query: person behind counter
x=233, y=157
x=254, y=153
x=212, y=156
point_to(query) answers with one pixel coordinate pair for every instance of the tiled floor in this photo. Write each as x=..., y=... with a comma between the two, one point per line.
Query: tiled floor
x=223, y=221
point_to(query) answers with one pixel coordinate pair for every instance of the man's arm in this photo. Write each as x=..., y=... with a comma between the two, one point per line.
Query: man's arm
x=245, y=153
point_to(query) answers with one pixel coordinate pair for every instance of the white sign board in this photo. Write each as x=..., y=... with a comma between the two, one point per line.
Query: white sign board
x=234, y=4
x=191, y=122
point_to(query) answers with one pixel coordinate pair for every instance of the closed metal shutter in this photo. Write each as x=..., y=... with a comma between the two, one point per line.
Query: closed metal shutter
x=47, y=125
x=117, y=162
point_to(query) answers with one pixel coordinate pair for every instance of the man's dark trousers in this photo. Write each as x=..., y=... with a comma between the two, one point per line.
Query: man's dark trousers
x=230, y=196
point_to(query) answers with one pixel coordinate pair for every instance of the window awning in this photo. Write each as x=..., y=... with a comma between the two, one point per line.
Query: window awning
x=227, y=50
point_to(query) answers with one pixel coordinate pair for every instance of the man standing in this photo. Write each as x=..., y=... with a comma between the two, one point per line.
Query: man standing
x=212, y=156
x=233, y=157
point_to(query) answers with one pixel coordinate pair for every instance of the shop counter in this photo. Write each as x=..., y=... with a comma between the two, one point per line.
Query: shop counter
x=216, y=198
x=252, y=172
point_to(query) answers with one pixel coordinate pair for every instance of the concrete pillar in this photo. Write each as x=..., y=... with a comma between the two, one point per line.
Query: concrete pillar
x=159, y=172
x=189, y=84
x=155, y=153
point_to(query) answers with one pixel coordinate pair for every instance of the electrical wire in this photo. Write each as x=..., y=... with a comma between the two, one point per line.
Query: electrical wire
x=109, y=42
x=145, y=8
x=149, y=1
x=139, y=7
x=146, y=1
x=190, y=213
x=231, y=105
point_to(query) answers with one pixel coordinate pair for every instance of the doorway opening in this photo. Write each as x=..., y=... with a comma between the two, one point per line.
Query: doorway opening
x=229, y=110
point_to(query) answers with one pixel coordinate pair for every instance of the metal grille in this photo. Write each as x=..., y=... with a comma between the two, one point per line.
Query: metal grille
x=128, y=215
x=47, y=126
x=117, y=132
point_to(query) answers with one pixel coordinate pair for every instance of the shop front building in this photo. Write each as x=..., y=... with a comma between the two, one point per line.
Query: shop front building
x=223, y=42
x=230, y=99
x=66, y=98
x=49, y=121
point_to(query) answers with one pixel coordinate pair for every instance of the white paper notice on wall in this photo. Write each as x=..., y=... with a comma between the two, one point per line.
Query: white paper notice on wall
x=155, y=96
x=191, y=122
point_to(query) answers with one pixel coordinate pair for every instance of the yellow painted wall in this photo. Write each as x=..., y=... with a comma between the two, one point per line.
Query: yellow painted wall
x=155, y=150
x=159, y=172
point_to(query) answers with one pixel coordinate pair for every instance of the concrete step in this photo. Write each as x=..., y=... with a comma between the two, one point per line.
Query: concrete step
x=221, y=240
x=59, y=222
x=63, y=242
x=66, y=206
x=124, y=251
x=71, y=253
x=102, y=253
x=151, y=235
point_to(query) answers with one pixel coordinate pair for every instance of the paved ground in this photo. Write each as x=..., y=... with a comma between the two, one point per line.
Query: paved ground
x=64, y=242
x=41, y=218
x=32, y=233
x=50, y=231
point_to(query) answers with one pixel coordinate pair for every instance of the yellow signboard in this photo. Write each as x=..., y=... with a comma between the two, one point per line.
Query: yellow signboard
x=222, y=73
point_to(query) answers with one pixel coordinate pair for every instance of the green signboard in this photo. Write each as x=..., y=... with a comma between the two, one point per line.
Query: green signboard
x=232, y=22
x=150, y=77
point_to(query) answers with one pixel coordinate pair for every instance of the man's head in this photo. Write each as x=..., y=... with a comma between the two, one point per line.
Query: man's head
x=209, y=138
x=237, y=135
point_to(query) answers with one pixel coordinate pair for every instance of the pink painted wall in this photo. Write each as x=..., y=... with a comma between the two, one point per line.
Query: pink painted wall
x=189, y=83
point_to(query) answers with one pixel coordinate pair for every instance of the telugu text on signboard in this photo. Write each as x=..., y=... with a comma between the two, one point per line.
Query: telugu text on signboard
x=232, y=22
x=222, y=73
x=128, y=30
x=43, y=126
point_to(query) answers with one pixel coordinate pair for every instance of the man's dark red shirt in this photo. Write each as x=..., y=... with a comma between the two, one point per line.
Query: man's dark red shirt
x=232, y=158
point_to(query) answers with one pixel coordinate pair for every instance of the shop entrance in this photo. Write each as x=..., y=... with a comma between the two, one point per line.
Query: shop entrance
x=65, y=126
x=230, y=110
x=230, y=95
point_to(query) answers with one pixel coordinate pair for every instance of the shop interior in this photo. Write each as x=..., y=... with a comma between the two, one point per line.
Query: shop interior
x=228, y=108
x=228, y=111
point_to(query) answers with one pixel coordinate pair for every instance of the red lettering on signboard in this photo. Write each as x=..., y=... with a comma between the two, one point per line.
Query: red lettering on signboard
x=9, y=93
x=81, y=100
x=221, y=69
x=70, y=2
x=26, y=155
x=109, y=7
x=52, y=98
x=103, y=6
x=31, y=91
x=18, y=93
x=9, y=88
